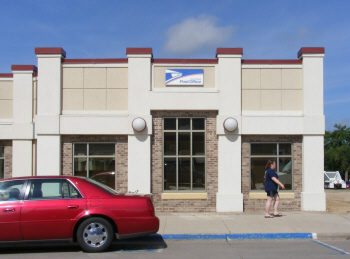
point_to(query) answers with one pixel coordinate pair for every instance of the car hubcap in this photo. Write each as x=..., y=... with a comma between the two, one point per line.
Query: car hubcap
x=95, y=234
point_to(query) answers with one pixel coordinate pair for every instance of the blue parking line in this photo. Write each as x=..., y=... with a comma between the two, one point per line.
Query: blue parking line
x=271, y=236
x=238, y=236
x=195, y=237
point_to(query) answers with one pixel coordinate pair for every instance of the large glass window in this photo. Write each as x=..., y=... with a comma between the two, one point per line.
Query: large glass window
x=279, y=152
x=184, y=154
x=96, y=161
x=2, y=162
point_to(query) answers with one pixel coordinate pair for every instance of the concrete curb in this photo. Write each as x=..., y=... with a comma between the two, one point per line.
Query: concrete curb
x=344, y=236
x=239, y=236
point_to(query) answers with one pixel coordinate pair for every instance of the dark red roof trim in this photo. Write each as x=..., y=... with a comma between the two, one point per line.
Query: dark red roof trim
x=50, y=51
x=311, y=50
x=185, y=61
x=139, y=51
x=24, y=68
x=95, y=61
x=6, y=75
x=231, y=51
x=271, y=62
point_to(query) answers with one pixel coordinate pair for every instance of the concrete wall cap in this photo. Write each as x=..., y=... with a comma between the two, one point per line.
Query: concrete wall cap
x=229, y=51
x=271, y=62
x=139, y=51
x=54, y=50
x=6, y=75
x=311, y=50
x=24, y=68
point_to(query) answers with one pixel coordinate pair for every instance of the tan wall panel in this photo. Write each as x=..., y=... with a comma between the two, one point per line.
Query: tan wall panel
x=117, y=78
x=292, y=100
x=6, y=109
x=95, y=77
x=209, y=76
x=251, y=100
x=73, y=77
x=6, y=90
x=271, y=79
x=251, y=79
x=73, y=99
x=95, y=99
x=292, y=78
x=271, y=100
x=117, y=99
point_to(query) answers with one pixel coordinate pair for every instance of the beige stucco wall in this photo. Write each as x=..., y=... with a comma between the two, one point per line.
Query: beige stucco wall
x=6, y=99
x=272, y=89
x=95, y=88
x=35, y=84
x=159, y=76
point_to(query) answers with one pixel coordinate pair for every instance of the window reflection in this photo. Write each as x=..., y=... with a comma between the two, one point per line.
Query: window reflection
x=285, y=172
x=98, y=163
x=184, y=173
x=198, y=170
x=169, y=173
x=169, y=143
x=263, y=149
x=198, y=143
x=184, y=124
x=170, y=124
x=184, y=144
x=261, y=153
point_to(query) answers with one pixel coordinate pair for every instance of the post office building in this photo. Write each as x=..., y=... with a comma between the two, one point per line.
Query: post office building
x=195, y=133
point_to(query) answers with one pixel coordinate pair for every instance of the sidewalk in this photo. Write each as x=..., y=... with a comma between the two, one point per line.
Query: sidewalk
x=245, y=225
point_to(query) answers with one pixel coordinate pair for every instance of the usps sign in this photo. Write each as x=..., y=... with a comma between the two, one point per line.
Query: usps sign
x=184, y=77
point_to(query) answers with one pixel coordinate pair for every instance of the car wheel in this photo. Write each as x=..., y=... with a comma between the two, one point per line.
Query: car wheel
x=95, y=235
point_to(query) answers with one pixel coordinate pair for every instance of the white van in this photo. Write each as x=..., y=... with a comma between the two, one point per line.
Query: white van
x=333, y=180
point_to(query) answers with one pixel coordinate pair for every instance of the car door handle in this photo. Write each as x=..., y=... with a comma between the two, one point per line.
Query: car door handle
x=9, y=209
x=72, y=207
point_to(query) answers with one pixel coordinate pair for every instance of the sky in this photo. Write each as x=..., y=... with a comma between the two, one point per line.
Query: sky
x=265, y=29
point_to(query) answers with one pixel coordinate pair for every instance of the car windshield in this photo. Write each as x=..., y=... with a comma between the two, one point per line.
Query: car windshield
x=101, y=186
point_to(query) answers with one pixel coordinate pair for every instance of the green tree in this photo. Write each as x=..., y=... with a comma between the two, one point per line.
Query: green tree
x=337, y=150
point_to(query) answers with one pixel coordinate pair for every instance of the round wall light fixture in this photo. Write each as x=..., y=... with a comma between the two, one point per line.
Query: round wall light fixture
x=139, y=124
x=230, y=124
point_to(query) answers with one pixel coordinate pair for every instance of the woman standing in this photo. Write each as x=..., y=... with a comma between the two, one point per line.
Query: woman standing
x=271, y=185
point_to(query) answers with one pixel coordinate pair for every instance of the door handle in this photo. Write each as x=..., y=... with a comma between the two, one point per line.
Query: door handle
x=9, y=209
x=72, y=207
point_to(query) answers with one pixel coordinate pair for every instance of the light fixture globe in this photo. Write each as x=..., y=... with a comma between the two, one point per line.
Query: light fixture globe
x=230, y=124
x=138, y=124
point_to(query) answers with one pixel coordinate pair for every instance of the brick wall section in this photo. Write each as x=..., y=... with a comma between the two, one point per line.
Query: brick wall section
x=8, y=157
x=208, y=205
x=285, y=205
x=121, y=156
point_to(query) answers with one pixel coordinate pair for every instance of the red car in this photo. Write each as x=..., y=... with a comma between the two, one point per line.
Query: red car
x=74, y=209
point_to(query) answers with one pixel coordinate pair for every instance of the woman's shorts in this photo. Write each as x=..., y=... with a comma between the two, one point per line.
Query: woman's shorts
x=271, y=193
